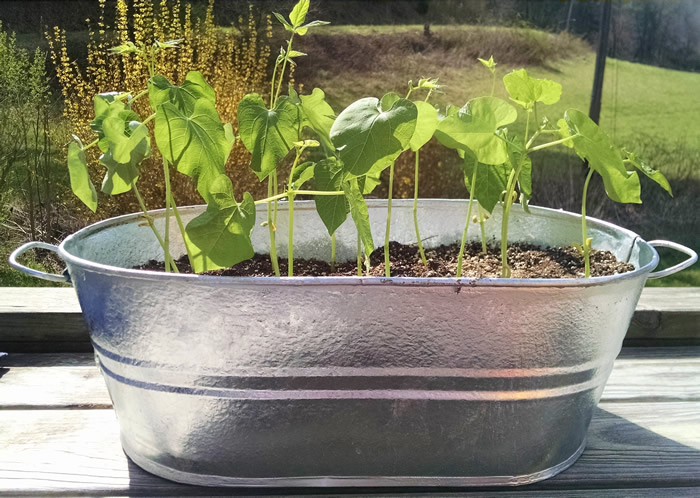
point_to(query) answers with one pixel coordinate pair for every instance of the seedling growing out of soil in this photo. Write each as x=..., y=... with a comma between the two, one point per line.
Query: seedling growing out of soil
x=366, y=138
x=425, y=128
x=268, y=134
x=621, y=185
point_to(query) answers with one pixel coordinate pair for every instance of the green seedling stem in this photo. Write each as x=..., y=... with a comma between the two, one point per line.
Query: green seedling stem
x=415, y=211
x=271, y=228
x=290, y=199
x=166, y=238
x=333, y=253
x=482, y=218
x=149, y=220
x=585, y=242
x=460, y=257
x=387, y=263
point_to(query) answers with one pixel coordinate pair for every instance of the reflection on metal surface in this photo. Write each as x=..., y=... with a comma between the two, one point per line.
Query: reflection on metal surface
x=354, y=381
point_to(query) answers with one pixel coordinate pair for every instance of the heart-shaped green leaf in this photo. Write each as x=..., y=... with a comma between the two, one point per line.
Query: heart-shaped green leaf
x=367, y=135
x=184, y=96
x=196, y=144
x=220, y=237
x=80, y=181
x=592, y=144
x=267, y=134
x=333, y=209
x=650, y=172
x=474, y=128
x=426, y=124
x=526, y=90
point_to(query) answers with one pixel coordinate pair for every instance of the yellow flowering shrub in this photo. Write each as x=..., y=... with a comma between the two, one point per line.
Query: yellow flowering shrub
x=233, y=60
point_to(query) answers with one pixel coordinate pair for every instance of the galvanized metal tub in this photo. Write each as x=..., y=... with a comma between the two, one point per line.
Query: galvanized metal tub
x=354, y=381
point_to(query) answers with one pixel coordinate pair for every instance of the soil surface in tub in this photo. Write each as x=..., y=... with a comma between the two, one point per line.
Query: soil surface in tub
x=526, y=261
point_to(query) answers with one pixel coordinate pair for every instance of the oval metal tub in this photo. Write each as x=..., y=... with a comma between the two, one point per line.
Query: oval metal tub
x=354, y=381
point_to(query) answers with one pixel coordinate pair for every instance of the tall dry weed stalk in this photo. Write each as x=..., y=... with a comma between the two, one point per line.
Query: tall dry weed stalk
x=233, y=60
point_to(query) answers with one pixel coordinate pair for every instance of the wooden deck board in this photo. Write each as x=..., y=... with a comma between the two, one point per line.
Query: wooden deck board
x=69, y=451
x=60, y=438
x=50, y=320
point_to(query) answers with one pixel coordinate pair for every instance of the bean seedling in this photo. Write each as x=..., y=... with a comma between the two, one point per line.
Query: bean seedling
x=360, y=143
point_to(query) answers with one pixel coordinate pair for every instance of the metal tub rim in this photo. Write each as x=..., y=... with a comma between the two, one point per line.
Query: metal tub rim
x=354, y=280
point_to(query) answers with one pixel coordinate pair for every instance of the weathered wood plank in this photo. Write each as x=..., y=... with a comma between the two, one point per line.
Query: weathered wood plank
x=40, y=319
x=666, y=315
x=637, y=445
x=50, y=381
x=49, y=319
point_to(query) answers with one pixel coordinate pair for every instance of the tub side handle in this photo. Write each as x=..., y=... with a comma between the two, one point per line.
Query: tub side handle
x=53, y=277
x=692, y=258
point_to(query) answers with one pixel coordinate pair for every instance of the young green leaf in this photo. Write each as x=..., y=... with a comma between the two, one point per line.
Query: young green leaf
x=426, y=124
x=592, y=144
x=121, y=176
x=564, y=132
x=169, y=43
x=184, y=96
x=123, y=137
x=489, y=64
x=196, y=144
x=474, y=128
x=220, y=237
x=80, y=181
x=368, y=135
x=650, y=172
x=303, y=29
x=298, y=14
x=519, y=158
x=491, y=181
x=360, y=215
x=107, y=105
x=388, y=100
x=267, y=134
x=317, y=115
x=284, y=22
x=370, y=181
x=333, y=209
x=302, y=174
x=525, y=90
x=126, y=48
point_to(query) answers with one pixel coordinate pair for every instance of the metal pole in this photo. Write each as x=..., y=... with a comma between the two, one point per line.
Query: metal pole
x=603, y=35
x=568, y=16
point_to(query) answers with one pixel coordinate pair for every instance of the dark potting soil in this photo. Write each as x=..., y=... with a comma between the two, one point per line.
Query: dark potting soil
x=526, y=261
